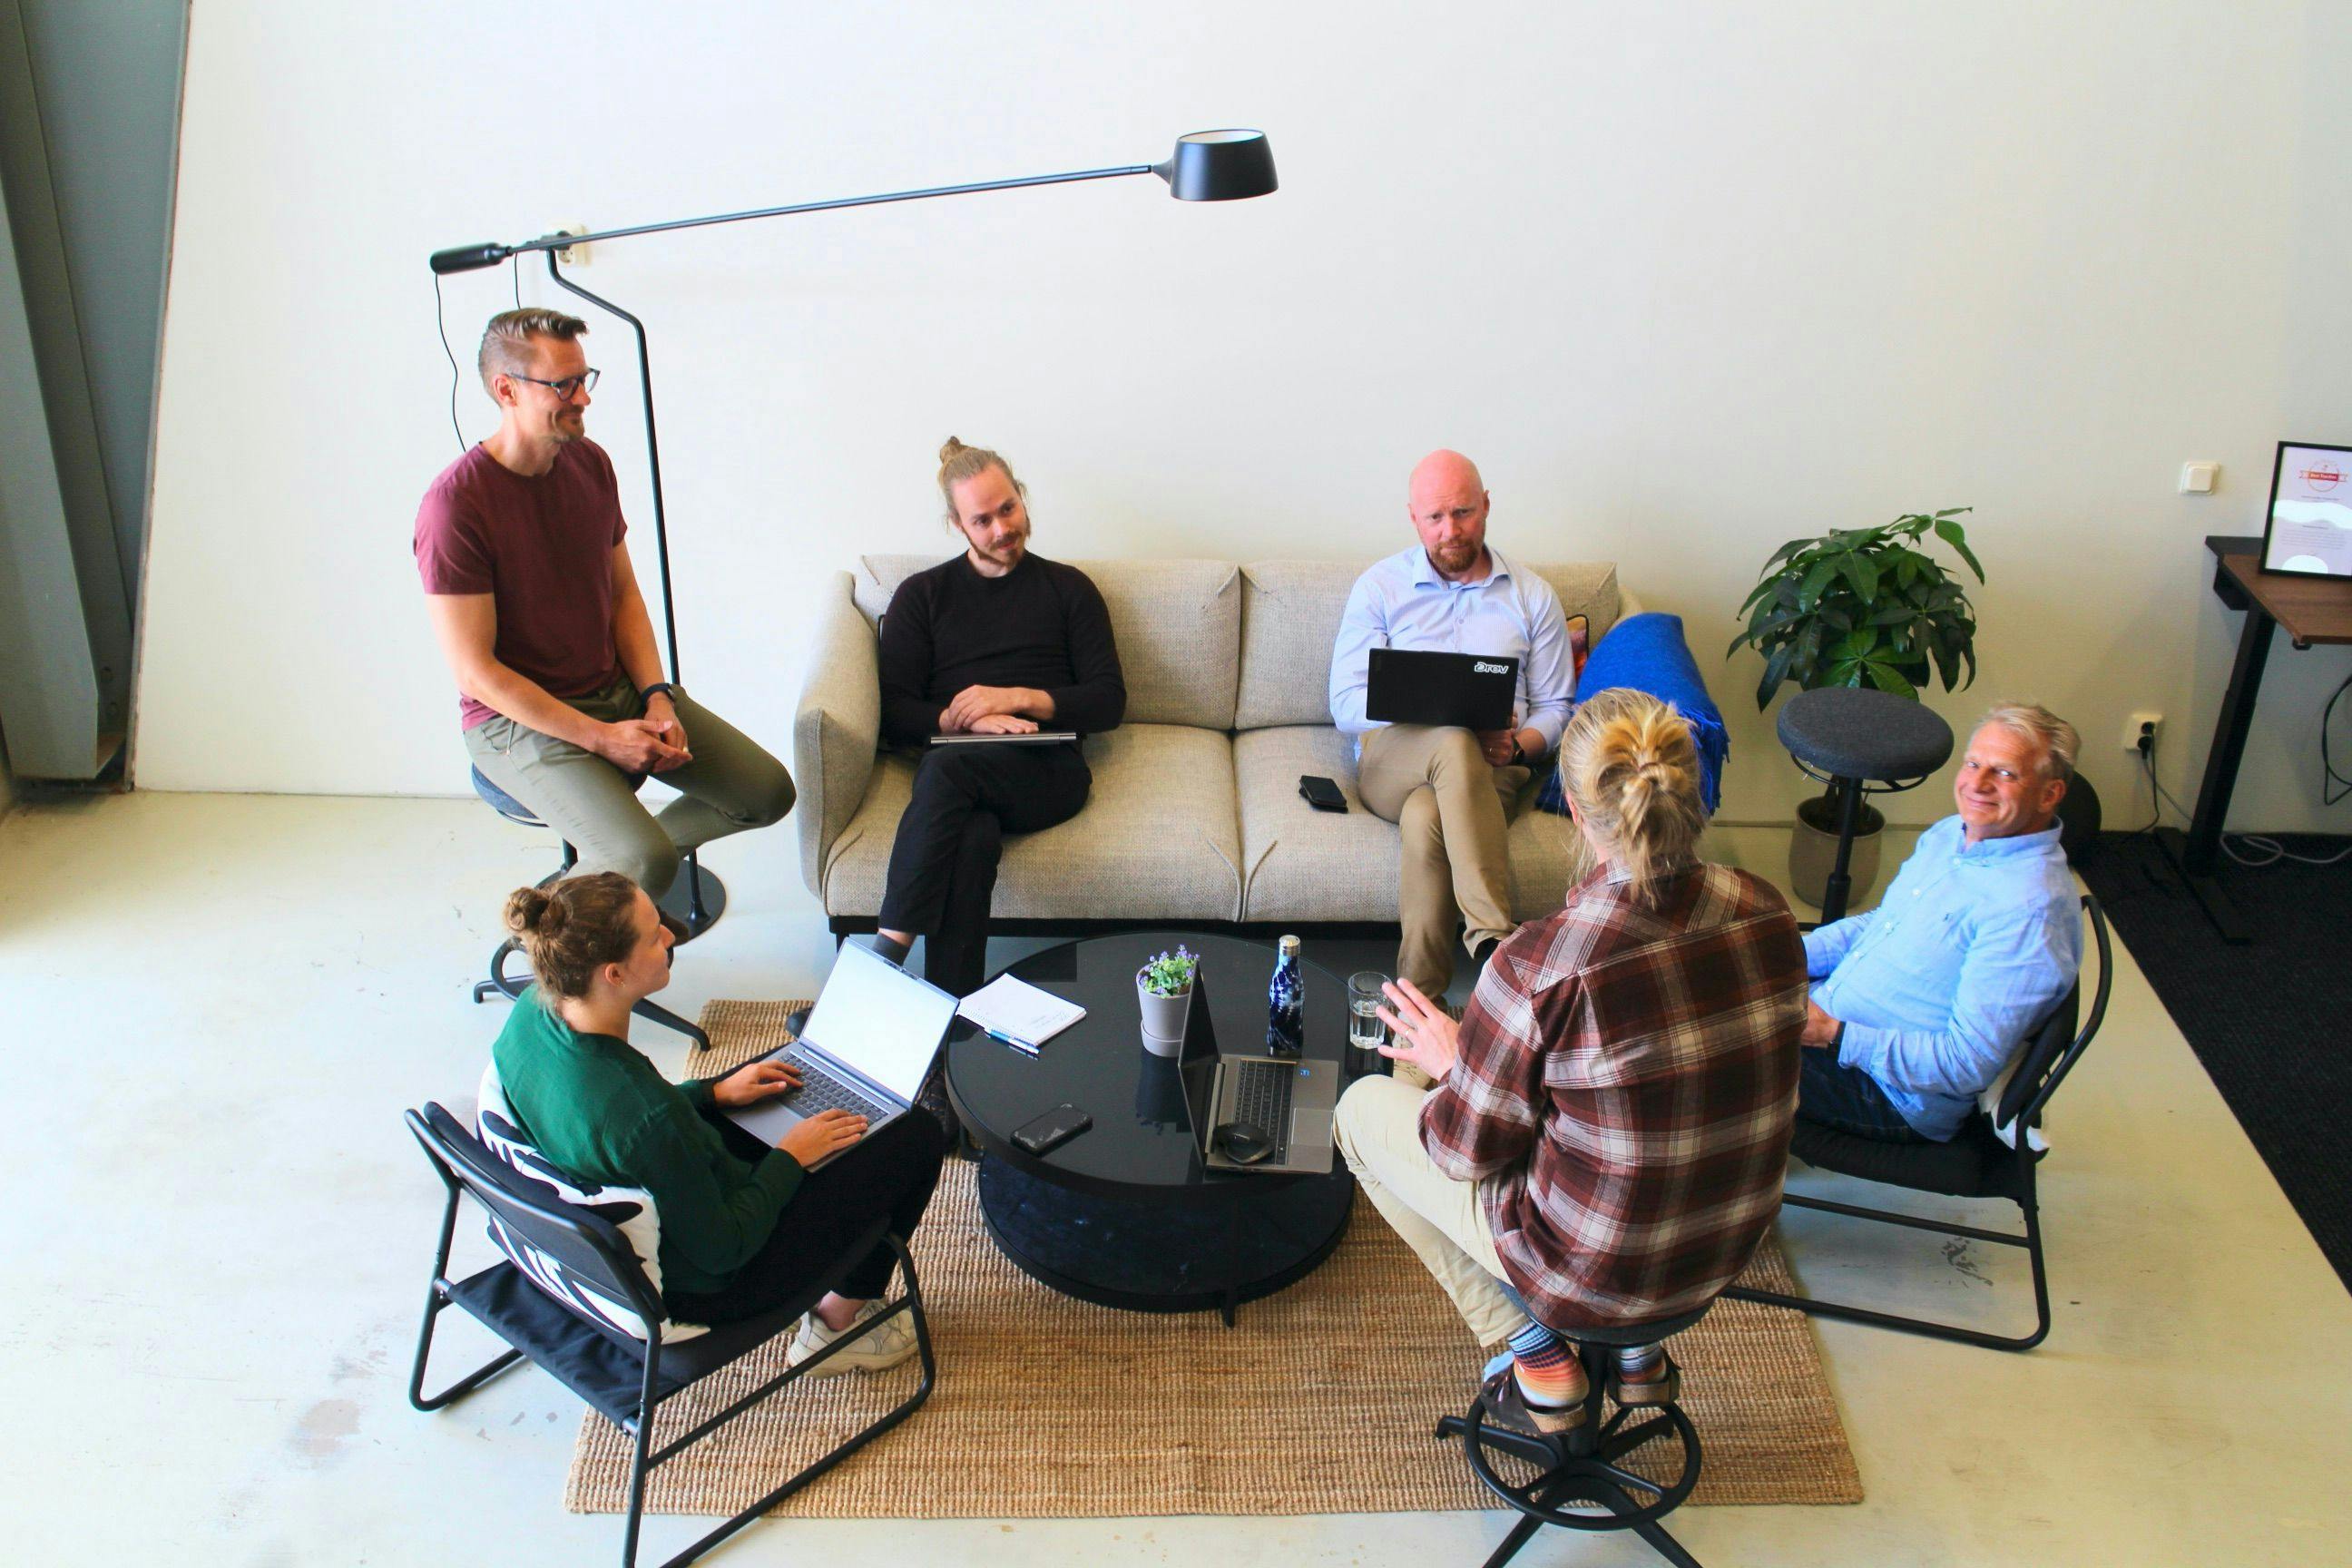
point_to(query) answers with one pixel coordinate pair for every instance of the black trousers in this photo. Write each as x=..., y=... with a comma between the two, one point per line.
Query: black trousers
x=943, y=862
x=889, y=1172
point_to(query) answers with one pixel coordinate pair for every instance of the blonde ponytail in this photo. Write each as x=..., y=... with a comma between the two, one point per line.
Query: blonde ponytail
x=1629, y=766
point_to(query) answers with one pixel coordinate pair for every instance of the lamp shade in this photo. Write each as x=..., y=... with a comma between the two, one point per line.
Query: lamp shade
x=1219, y=166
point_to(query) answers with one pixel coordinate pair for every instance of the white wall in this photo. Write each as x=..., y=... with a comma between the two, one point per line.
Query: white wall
x=1687, y=283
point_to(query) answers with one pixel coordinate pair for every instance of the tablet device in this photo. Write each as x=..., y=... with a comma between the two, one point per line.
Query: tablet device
x=2308, y=533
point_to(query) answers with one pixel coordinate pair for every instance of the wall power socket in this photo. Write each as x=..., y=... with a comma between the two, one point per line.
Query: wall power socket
x=2147, y=723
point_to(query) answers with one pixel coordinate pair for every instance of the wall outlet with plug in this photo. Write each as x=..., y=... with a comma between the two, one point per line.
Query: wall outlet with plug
x=2142, y=727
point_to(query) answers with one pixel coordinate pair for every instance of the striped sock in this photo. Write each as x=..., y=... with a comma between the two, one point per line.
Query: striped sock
x=1545, y=1369
x=1641, y=1363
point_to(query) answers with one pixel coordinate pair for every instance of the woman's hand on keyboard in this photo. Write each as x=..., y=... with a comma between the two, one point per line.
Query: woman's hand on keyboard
x=827, y=1132
x=750, y=1085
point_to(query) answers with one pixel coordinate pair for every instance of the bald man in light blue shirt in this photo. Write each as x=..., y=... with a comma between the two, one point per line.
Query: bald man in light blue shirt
x=1450, y=790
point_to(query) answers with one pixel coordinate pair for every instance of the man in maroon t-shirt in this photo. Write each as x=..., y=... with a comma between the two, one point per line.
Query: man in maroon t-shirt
x=526, y=579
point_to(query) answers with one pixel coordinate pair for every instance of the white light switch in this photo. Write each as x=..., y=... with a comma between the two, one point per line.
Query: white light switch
x=2197, y=478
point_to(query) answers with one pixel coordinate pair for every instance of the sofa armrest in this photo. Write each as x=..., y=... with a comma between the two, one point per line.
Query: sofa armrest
x=1626, y=604
x=838, y=725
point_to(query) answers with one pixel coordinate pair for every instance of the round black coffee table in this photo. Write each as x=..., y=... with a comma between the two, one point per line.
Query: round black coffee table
x=1125, y=1215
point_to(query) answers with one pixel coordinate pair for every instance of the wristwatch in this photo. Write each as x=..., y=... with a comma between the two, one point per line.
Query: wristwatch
x=1518, y=753
x=660, y=689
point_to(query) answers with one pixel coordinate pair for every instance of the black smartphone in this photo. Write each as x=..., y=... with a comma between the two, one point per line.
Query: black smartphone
x=1051, y=1131
x=1321, y=793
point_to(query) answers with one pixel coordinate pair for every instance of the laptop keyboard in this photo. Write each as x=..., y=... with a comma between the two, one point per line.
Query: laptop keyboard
x=820, y=1091
x=1262, y=1098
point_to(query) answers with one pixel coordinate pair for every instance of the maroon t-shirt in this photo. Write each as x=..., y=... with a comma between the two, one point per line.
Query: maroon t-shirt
x=543, y=547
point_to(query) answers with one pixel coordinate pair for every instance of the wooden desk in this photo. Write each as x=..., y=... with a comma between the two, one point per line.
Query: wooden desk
x=2311, y=610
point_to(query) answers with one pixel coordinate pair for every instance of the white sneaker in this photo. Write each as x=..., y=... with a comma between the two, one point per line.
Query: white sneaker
x=874, y=1349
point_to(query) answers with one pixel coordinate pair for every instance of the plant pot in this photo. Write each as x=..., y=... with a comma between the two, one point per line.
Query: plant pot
x=1163, y=1018
x=1813, y=851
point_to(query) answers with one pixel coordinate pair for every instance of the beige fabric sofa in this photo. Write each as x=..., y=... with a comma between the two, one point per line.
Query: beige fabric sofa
x=1195, y=815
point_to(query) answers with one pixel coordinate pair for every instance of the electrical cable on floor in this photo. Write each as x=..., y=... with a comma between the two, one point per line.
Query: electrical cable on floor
x=2328, y=776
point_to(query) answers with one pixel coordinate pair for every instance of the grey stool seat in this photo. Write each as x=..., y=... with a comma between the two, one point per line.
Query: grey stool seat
x=1860, y=733
x=1845, y=736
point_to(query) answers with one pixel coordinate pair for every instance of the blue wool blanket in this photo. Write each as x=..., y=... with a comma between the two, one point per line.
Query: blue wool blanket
x=1649, y=653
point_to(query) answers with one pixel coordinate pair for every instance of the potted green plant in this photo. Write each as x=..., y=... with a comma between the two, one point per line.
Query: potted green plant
x=1163, y=991
x=1859, y=606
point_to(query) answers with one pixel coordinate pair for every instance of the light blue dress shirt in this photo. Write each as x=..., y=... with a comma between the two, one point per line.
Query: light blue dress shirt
x=1964, y=957
x=1402, y=602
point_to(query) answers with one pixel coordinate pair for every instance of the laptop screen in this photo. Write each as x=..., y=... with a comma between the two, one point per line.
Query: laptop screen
x=881, y=1020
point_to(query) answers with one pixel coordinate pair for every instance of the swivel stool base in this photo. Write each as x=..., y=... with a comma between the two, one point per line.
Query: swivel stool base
x=1579, y=1481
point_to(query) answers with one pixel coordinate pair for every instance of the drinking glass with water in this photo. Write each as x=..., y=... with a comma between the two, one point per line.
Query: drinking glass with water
x=1365, y=1030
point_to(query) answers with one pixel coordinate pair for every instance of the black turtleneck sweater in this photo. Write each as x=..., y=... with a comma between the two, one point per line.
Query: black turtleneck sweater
x=1042, y=624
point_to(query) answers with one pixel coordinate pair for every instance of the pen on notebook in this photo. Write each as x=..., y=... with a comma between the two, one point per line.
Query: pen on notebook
x=1014, y=1041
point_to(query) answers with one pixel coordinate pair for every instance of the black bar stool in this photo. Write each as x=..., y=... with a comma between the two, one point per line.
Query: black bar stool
x=696, y=900
x=1582, y=1464
x=1845, y=736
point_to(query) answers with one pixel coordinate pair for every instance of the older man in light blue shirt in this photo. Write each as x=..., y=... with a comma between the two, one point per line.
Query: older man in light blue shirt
x=1919, y=1005
x=1450, y=790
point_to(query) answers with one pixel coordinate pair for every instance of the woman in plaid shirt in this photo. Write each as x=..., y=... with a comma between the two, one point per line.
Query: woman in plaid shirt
x=1608, y=1126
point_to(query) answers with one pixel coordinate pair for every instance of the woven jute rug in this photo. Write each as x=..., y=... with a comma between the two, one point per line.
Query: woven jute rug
x=1322, y=1400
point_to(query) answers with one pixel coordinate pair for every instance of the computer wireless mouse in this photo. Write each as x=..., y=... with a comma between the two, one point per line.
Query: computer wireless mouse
x=1244, y=1144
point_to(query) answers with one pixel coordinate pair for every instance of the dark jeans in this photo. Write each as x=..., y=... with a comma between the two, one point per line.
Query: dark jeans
x=889, y=1172
x=943, y=862
x=1847, y=1098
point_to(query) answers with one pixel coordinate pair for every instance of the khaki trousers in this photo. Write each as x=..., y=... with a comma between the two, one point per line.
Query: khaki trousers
x=1454, y=813
x=731, y=785
x=1377, y=1129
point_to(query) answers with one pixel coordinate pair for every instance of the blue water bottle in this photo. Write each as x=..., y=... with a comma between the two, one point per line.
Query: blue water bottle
x=1286, y=1029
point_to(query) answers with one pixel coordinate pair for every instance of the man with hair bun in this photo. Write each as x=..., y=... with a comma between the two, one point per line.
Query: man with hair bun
x=1919, y=1005
x=995, y=641
x=1451, y=791
x=534, y=602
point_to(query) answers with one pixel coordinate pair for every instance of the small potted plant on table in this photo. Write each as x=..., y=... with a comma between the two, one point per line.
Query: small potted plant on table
x=1859, y=606
x=1163, y=991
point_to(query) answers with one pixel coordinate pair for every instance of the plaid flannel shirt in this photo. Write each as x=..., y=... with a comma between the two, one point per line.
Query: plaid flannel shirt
x=1625, y=1093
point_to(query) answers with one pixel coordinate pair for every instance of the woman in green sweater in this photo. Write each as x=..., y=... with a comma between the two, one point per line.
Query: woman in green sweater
x=741, y=1225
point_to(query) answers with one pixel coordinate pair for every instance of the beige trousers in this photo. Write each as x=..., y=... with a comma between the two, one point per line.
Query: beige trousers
x=1378, y=1132
x=1454, y=813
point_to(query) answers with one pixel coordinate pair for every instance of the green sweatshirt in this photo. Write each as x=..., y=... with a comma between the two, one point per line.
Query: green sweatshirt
x=595, y=1106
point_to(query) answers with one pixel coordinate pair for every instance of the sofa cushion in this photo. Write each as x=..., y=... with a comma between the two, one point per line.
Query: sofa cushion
x=1157, y=836
x=1177, y=624
x=1290, y=618
x=1300, y=864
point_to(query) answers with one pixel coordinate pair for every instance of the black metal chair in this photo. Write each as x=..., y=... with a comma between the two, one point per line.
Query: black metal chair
x=627, y=1379
x=1846, y=736
x=1582, y=1464
x=1975, y=1164
x=696, y=900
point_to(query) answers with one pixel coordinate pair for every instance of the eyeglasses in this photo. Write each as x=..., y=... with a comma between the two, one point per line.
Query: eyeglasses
x=585, y=381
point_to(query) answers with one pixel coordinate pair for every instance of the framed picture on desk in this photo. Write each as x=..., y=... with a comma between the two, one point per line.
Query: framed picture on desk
x=2308, y=533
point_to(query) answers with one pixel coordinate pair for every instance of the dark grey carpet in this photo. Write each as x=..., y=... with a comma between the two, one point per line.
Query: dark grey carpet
x=2271, y=1021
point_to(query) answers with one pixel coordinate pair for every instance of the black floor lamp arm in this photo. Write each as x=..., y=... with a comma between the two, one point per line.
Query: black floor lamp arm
x=653, y=457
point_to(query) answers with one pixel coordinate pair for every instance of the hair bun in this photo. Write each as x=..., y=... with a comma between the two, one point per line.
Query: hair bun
x=530, y=909
x=954, y=445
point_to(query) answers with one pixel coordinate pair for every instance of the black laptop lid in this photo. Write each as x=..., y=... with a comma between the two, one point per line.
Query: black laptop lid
x=1197, y=1061
x=1412, y=686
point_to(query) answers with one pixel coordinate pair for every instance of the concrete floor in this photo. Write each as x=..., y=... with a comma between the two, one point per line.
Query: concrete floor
x=218, y=1233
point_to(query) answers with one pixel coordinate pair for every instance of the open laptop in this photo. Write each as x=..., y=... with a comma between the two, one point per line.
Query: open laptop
x=868, y=1045
x=1288, y=1101
x=1412, y=686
